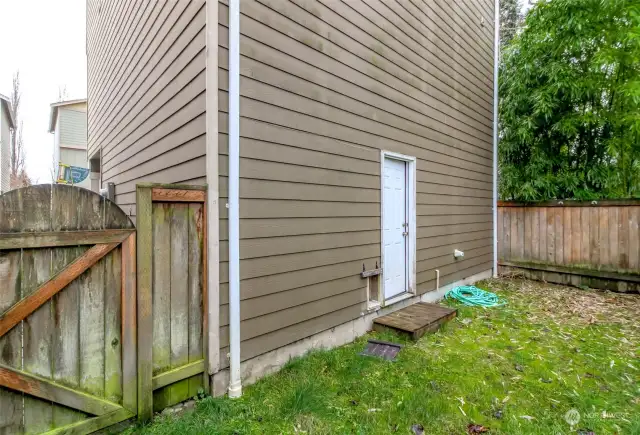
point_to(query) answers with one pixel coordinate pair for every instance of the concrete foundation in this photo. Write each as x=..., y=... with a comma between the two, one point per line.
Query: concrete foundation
x=270, y=362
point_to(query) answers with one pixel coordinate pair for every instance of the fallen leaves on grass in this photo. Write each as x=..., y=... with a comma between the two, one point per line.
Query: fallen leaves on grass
x=417, y=429
x=583, y=306
x=445, y=385
x=476, y=428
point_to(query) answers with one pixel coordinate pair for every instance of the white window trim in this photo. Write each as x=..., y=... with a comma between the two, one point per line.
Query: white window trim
x=412, y=225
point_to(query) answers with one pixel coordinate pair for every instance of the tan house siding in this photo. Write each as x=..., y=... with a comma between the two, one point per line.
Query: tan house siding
x=325, y=86
x=146, y=68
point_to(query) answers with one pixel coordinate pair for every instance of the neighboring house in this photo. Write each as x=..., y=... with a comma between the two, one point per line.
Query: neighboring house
x=68, y=123
x=360, y=121
x=7, y=124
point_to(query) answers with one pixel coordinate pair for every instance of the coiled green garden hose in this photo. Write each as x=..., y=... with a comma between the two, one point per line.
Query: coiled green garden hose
x=474, y=297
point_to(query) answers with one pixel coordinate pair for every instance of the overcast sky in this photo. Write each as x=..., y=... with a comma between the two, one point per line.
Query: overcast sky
x=45, y=40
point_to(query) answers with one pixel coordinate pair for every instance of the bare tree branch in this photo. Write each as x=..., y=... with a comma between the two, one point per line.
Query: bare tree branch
x=15, y=109
x=62, y=93
x=18, y=174
x=53, y=170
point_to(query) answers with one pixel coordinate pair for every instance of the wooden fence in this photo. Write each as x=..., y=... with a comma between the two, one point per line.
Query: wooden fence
x=88, y=340
x=598, y=240
x=172, y=294
x=67, y=304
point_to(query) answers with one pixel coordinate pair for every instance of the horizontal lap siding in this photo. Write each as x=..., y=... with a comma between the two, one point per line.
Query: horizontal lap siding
x=324, y=87
x=146, y=63
x=73, y=128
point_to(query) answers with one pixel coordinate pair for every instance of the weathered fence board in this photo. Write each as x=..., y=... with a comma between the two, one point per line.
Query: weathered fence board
x=582, y=236
x=196, y=279
x=172, y=217
x=61, y=310
x=112, y=279
x=129, y=326
x=179, y=297
x=37, y=328
x=161, y=297
x=145, y=316
x=634, y=235
x=66, y=336
x=64, y=238
x=11, y=403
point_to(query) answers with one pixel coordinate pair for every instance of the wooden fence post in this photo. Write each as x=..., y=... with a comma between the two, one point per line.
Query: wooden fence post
x=145, y=325
x=129, y=326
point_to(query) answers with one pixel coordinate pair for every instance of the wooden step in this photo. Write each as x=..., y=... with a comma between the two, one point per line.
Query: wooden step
x=415, y=320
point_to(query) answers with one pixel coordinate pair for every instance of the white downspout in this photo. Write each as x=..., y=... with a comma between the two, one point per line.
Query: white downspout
x=235, y=386
x=213, y=214
x=496, y=66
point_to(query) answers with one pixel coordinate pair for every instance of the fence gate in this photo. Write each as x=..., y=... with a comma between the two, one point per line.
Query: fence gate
x=171, y=295
x=67, y=304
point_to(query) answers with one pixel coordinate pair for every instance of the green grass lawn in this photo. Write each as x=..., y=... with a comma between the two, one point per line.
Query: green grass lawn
x=516, y=369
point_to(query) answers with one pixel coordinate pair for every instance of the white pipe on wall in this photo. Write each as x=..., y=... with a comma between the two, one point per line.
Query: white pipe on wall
x=496, y=67
x=213, y=226
x=235, y=385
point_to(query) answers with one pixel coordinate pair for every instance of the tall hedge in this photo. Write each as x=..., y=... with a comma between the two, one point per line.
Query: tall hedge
x=570, y=102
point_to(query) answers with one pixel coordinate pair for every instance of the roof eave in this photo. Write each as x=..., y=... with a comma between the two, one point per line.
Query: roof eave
x=69, y=102
x=54, y=111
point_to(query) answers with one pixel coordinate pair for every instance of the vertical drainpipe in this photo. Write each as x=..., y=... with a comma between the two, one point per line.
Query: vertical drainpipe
x=213, y=216
x=235, y=386
x=496, y=66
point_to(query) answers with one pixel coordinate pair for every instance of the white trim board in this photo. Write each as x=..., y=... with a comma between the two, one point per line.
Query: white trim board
x=73, y=147
x=411, y=186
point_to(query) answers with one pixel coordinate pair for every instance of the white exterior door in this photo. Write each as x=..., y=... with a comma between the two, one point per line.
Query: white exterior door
x=395, y=227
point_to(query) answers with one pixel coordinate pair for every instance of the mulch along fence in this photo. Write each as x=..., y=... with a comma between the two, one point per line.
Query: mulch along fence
x=581, y=243
x=87, y=340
